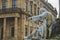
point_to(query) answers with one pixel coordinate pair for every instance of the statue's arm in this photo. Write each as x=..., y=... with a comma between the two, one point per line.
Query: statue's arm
x=38, y=17
x=33, y=18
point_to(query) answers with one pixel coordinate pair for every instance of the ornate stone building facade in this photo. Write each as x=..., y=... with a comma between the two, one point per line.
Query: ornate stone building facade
x=14, y=14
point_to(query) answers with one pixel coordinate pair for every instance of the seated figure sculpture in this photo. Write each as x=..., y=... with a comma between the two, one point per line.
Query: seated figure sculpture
x=41, y=29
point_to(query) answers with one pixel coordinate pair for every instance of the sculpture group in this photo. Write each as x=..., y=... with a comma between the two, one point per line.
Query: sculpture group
x=45, y=28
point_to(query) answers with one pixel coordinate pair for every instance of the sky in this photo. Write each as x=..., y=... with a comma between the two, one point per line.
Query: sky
x=55, y=3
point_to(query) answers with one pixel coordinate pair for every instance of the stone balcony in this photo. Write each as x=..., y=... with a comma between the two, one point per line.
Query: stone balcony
x=10, y=10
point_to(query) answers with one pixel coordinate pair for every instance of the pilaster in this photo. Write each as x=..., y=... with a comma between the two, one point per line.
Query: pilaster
x=4, y=30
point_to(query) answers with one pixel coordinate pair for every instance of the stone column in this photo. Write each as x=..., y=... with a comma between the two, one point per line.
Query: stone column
x=4, y=30
x=22, y=28
x=16, y=28
x=28, y=28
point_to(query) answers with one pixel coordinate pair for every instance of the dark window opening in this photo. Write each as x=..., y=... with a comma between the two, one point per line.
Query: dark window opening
x=3, y=4
x=31, y=7
x=13, y=3
x=31, y=29
x=12, y=31
x=26, y=5
x=1, y=33
x=26, y=31
x=38, y=10
x=35, y=9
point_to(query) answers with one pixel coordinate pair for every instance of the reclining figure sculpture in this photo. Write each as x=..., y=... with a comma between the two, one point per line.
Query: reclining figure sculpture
x=42, y=28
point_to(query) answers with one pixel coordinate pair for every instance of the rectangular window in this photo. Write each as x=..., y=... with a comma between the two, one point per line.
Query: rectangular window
x=3, y=4
x=31, y=29
x=1, y=33
x=26, y=31
x=13, y=3
x=35, y=9
x=31, y=6
x=26, y=5
x=12, y=31
x=38, y=10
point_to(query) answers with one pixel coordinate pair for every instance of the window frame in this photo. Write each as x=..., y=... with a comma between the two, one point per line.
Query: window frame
x=31, y=6
x=13, y=3
x=4, y=4
x=35, y=9
x=26, y=5
x=25, y=31
x=12, y=31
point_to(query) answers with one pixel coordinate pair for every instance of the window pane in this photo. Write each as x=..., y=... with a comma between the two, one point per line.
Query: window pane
x=38, y=10
x=26, y=5
x=12, y=31
x=13, y=3
x=31, y=29
x=1, y=33
x=31, y=6
x=26, y=31
x=35, y=9
x=4, y=4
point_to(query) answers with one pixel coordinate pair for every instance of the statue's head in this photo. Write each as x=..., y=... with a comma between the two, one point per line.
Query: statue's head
x=42, y=10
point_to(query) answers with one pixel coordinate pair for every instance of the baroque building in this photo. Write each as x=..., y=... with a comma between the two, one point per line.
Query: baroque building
x=14, y=14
